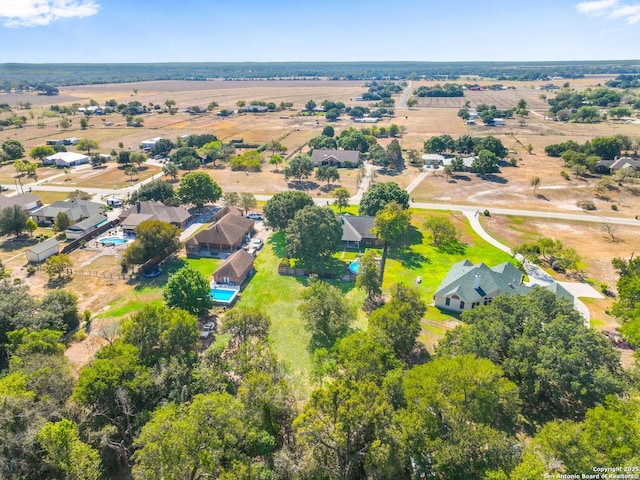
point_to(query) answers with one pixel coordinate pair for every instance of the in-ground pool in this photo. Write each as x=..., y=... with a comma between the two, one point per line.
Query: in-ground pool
x=224, y=296
x=354, y=267
x=113, y=240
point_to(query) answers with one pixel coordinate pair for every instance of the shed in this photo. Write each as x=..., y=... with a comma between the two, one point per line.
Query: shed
x=41, y=251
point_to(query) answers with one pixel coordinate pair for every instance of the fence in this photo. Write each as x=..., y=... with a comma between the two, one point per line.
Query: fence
x=95, y=273
x=71, y=246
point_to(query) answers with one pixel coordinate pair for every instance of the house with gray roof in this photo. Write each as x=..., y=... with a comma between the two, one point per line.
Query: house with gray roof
x=467, y=286
x=75, y=209
x=27, y=201
x=609, y=166
x=357, y=232
x=83, y=227
x=335, y=158
x=146, y=210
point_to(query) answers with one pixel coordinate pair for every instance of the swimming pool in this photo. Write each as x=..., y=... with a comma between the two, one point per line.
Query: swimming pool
x=113, y=240
x=224, y=296
x=354, y=267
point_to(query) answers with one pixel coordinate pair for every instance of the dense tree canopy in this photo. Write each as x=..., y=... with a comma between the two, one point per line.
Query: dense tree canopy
x=188, y=290
x=154, y=239
x=561, y=367
x=13, y=220
x=379, y=195
x=312, y=237
x=198, y=188
x=282, y=207
x=300, y=168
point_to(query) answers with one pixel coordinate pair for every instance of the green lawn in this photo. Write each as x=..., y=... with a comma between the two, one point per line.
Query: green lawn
x=279, y=296
x=420, y=258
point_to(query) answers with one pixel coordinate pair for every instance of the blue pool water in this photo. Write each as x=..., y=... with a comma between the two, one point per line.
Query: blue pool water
x=223, y=295
x=114, y=240
x=354, y=267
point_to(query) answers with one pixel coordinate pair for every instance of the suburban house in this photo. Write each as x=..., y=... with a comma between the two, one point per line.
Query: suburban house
x=83, y=227
x=356, y=232
x=235, y=269
x=498, y=122
x=143, y=210
x=149, y=144
x=26, y=201
x=337, y=158
x=226, y=235
x=75, y=209
x=43, y=250
x=66, y=159
x=467, y=286
x=607, y=166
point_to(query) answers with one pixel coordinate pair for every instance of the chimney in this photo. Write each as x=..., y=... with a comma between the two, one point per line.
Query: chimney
x=138, y=206
x=476, y=282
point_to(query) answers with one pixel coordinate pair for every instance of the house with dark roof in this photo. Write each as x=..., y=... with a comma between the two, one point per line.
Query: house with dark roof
x=83, y=227
x=235, y=269
x=226, y=235
x=26, y=201
x=356, y=232
x=75, y=209
x=335, y=158
x=467, y=286
x=146, y=210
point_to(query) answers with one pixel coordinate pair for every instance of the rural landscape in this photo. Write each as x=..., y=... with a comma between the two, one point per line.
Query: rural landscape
x=377, y=270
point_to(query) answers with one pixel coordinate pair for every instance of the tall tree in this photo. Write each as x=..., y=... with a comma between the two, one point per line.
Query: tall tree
x=369, y=275
x=244, y=324
x=170, y=169
x=379, y=195
x=57, y=265
x=64, y=450
x=442, y=230
x=87, y=144
x=198, y=188
x=189, y=290
x=282, y=207
x=41, y=152
x=12, y=149
x=485, y=162
x=342, y=196
x=327, y=314
x=391, y=222
x=301, y=167
x=155, y=239
x=160, y=333
x=313, y=236
x=13, y=220
x=247, y=201
x=399, y=319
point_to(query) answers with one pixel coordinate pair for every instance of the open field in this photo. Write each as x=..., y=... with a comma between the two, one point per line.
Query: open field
x=111, y=299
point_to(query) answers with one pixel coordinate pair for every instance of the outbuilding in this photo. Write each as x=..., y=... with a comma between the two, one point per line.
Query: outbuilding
x=43, y=250
x=66, y=159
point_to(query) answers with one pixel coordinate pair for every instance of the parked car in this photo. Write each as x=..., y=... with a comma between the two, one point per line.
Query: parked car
x=207, y=330
x=257, y=243
x=254, y=216
x=4, y=188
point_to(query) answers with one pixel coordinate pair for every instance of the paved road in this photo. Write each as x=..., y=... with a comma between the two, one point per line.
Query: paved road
x=405, y=96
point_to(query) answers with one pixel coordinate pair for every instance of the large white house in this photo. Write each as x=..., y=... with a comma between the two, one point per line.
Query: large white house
x=66, y=159
x=149, y=144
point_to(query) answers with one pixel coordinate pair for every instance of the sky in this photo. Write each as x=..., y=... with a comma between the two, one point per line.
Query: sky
x=131, y=31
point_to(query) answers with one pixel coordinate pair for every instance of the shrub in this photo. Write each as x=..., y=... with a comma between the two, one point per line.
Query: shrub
x=586, y=205
x=31, y=269
x=565, y=175
x=614, y=207
x=486, y=213
x=513, y=162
